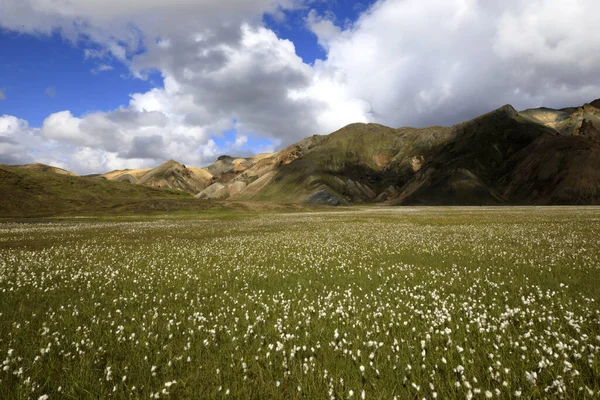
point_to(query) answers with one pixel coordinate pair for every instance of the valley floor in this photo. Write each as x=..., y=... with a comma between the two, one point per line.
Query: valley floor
x=370, y=302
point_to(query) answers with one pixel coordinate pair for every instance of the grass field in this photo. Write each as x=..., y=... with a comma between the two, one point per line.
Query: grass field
x=375, y=303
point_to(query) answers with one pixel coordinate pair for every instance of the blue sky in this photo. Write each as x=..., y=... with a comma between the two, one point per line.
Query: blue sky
x=36, y=63
x=344, y=13
x=94, y=85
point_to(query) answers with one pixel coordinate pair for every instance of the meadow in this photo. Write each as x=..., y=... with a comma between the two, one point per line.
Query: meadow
x=378, y=303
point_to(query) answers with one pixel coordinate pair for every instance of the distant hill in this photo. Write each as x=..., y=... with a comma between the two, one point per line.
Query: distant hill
x=537, y=156
x=27, y=191
x=46, y=168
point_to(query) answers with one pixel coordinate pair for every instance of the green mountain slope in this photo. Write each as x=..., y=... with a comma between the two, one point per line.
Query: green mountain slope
x=355, y=164
x=489, y=160
x=29, y=192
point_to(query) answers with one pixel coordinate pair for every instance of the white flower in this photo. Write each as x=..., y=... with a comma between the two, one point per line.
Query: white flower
x=531, y=377
x=488, y=394
x=43, y=397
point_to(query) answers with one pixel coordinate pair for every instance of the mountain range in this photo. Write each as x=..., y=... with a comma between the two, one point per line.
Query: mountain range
x=538, y=156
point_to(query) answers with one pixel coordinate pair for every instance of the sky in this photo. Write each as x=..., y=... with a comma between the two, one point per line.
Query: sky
x=96, y=85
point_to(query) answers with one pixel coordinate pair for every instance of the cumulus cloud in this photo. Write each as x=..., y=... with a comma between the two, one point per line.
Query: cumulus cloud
x=124, y=27
x=11, y=150
x=101, y=142
x=413, y=62
x=323, y=27
x=147, y=129
x=146, y=132
x=249, y=79
x=403, y=62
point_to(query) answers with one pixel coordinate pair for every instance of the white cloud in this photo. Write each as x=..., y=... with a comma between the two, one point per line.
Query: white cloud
x=122, y=27
x=17, y=141
x=99, y=142
x=240, y=141
x=414, y=62
x=101, y=68
x=324, y=28
x=250, y=80
x=146, y=132
x=64, y=126
x=551, y=32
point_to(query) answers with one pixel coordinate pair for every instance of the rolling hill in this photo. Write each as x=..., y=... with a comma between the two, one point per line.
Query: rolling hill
x=46, y=191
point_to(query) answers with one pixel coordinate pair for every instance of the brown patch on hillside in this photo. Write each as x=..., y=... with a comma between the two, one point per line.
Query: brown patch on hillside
x=381, y=160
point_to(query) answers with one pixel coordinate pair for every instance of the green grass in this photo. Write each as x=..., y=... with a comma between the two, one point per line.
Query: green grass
x=430, y=301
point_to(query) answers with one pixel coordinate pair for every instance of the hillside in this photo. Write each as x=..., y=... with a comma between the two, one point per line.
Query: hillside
x=43, y=191
x=46, y=168
x=503, y=157
x=506, y=157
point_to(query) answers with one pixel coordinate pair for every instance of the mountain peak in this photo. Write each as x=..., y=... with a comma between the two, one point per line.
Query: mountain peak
x=170, y=163
x=506, y=111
